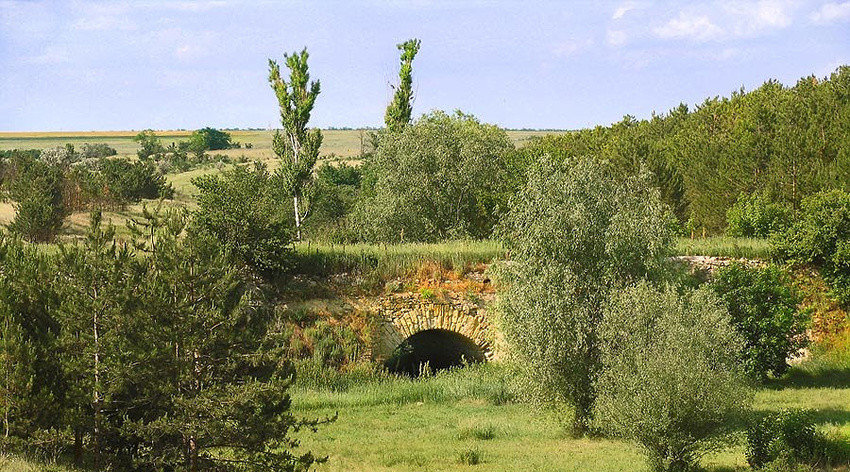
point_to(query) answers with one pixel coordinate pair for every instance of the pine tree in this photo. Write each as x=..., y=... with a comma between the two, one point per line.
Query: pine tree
x=96, y=288
x=208, y=395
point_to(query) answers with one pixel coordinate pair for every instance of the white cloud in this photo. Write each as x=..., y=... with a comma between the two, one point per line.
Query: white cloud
x=687, y=26
x=748, y=19
x=626, y=7
x=831, y=12
x=571, y=47
x=616, y=38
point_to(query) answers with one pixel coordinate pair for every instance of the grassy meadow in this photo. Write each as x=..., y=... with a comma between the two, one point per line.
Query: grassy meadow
x=472, y=419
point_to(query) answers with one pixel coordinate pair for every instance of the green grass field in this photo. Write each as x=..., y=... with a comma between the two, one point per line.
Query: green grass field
x=400, y=424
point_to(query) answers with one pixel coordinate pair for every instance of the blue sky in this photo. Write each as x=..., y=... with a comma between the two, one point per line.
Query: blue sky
x=187, y=64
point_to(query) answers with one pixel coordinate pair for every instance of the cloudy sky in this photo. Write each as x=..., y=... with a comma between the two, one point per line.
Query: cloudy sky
x=86, y=65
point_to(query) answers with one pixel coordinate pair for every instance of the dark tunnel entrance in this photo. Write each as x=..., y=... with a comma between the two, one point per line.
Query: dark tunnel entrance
x=437, y=348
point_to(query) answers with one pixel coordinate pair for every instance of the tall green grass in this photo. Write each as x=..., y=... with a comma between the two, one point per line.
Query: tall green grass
x=491, y=383
x=391, y=260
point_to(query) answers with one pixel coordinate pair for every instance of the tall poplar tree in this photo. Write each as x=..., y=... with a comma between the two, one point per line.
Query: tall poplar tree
x=298, y=146
x=400, y=109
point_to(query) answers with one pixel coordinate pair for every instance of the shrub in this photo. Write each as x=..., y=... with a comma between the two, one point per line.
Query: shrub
x=753, y=216
x=670, y=377
x=117, y=182
x=244, y=211
x=821, y=236
x=763, y=305
x=575, y=233
x=59, y=156
x=97, y=150
x=443, y=177
x=790, y=436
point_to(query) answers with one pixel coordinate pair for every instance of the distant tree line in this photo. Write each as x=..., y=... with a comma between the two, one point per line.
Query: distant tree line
x=741, y=165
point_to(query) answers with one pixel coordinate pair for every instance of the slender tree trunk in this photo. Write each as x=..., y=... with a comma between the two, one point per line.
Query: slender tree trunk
x=297, y=217
x=96, y=392
x=78, y=446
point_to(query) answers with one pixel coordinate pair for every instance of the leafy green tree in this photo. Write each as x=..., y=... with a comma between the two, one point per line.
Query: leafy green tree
x=242, y=209
x=400, y=109
x=763, y=306
x=670, y=378
x=575, y=233
x=211, y=139
x=821, y=236
x=755, y=216
x=297, y=148
x=442, y=177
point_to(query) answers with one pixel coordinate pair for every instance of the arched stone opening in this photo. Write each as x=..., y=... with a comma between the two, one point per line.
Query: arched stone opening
x=437, y=349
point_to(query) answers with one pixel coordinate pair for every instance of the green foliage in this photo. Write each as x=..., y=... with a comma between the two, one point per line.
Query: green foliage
x=242, y=208
x=333, y=197
x=297, y=148
x=226, y=388
x=791, y=437
x=784, y=143
x=753, y=216
x=576, y=232
x=763, y=305
x=106, y=183
x=36, y=189
x=670, y=378
x=443, y=177
x=821, y=236
x=211, y=139
x=97, y=150
x=149, y=144
x=31, y=384
x=400, y=109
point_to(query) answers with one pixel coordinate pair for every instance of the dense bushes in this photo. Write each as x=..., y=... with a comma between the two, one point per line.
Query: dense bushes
x=763, y=305
x=821, y=236
x=97, y=150
x=244, y=210
x=755, y=216
x=670, y=378
x=576, y=232
x=110, y=183
x=443, y=177
x=791, y=437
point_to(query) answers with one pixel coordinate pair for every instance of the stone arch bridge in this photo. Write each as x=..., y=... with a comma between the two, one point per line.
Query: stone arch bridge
x=438, y=331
